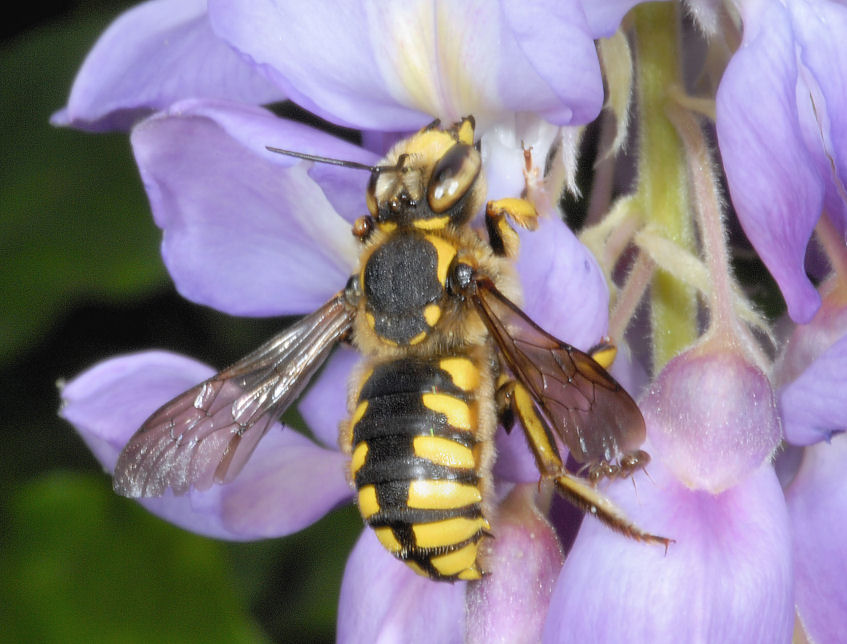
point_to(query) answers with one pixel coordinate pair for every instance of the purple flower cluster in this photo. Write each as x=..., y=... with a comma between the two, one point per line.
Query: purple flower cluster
x=754, y=552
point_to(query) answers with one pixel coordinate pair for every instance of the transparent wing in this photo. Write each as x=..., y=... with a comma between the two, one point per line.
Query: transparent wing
x=594, y=416
x=206, y=434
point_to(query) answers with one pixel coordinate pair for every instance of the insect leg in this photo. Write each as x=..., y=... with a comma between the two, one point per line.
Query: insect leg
x=604, y=352
x=573, y=488
x=503, y=402
x=502, y=237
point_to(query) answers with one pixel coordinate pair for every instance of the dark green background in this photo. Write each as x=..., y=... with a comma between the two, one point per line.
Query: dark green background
x=80, y=280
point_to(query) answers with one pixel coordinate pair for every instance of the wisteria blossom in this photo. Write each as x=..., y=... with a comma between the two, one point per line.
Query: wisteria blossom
x=745, y=415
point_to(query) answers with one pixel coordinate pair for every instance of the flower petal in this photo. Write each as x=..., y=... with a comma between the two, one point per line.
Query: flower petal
x=711, y=417
x=515, y=462
x=727, y=577
x=287, y=486
x=392, y=66
x=324, y=406
x=111, y=400
x=564, y=289
x=383, y=600
x=503, y=147
x=605, y=17
x=814, y=406
x=151, y=56
x=548, y=32
x=818, y=27
x=510, y=604
x=817, y=506
x=344, y=188
x=772, y=177
x=245, y=231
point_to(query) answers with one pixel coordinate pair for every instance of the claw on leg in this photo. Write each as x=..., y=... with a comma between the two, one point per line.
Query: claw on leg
x=515, y=401
x=589, y=499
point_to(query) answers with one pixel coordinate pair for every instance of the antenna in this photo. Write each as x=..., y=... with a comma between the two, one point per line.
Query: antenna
x=375, y=169
x=311, y=157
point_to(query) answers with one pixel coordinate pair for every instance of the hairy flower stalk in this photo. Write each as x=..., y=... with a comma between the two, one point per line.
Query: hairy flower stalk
x=662, y=183
x=754, y=557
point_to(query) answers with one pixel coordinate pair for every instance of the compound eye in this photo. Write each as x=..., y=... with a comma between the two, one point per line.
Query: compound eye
x=452, y=177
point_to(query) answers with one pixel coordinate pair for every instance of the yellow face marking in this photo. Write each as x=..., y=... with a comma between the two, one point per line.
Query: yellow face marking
x=465, y=132
x=458, y=561
x=443, y=451
x=447, y=531
x=371, y=320
x=463, y=372
x=434, y=223
x=430, y=144
x=446, y=252
x=442, y=495
x=387, y=226
x=368, y=505
x=459, y=415
x=420, y=337
x=359, y=455
x=432, y=313
x=386, y=538
x=361, y=408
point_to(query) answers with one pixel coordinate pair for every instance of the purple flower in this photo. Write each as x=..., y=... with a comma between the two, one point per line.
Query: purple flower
x=237, y=236
x=367, y=65
x=726, y=578
x=782, y=128
x=783, y=135
x=289, y=483
x=240, y=224
x=811, y=370
x=713, y=427
x=151, y=56
x=817, y=505
x=811, y=373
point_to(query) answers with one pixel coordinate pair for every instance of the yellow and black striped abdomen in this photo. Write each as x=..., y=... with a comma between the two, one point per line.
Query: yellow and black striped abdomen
x=416, y=463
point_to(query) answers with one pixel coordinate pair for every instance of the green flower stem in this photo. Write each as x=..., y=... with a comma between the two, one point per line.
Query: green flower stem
x=662, y=180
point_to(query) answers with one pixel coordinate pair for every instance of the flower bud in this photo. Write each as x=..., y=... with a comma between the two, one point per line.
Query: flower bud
x=712, y=418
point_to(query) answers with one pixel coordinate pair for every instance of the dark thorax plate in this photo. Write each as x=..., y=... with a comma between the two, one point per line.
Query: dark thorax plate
x=400, y=282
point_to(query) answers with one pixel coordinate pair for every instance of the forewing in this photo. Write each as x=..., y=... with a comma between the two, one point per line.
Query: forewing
x=595, y=417
x=206, y=434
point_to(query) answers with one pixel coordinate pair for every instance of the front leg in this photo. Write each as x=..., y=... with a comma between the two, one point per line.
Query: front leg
x=502, y=237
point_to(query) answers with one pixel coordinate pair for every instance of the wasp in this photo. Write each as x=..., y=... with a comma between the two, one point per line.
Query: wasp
x=446, y=357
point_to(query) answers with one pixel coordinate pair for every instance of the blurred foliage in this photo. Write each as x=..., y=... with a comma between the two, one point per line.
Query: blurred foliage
x=75, y=219
x=81, y=280
x=81, y=561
